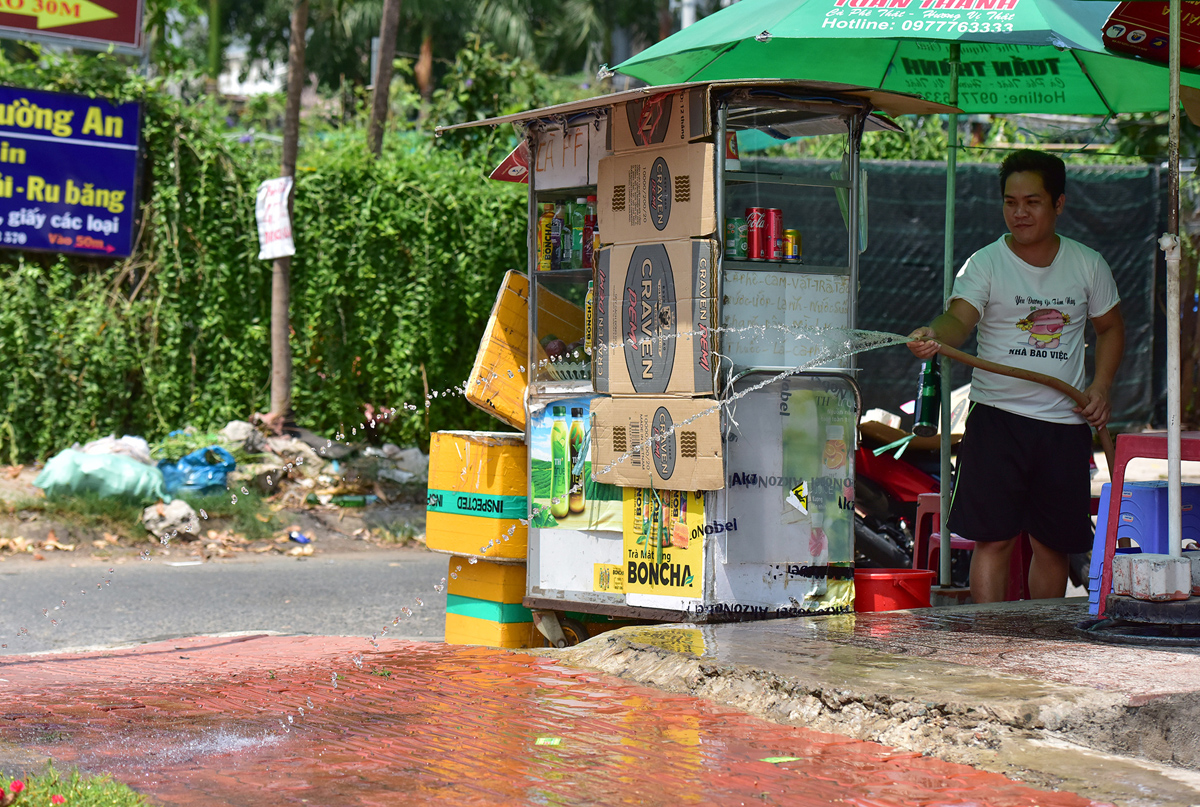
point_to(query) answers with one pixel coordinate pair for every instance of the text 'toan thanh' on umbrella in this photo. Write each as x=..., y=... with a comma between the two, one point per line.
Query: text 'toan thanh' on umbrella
x=983, y=56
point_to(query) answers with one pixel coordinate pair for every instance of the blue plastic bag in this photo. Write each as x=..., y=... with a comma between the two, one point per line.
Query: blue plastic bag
x=201, y=472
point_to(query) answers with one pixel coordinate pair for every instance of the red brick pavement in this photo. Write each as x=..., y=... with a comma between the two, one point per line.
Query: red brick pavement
x=259, y=721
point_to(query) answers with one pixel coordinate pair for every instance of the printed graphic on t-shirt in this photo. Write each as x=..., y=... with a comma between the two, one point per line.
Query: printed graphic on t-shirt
x=1041, y=330
x=1045, y=326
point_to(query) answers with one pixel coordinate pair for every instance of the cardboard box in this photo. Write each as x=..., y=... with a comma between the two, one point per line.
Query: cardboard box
x=662, y=119
x=497, y=381
x=483, y=604
x=568, y=158
x=463, y=629
x=495, y=582
x=664, y=542
x=657, y=194
x=655, y=310
x=688, y=457
x=1141, y=28
x=478, y=494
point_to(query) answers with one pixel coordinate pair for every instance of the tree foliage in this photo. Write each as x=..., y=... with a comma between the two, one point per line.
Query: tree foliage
x=397, y=263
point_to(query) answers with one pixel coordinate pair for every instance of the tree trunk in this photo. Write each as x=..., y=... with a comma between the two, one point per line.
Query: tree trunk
x=423, y=69
x=383, y=75
x=214, y=46
x=281, y=349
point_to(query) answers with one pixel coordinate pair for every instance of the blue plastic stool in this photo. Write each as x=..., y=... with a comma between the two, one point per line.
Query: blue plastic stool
x=1143, y=521
x=1144, y=514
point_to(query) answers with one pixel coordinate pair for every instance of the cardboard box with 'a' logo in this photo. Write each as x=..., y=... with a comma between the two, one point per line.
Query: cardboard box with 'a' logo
x=655, y=312
x=657, y=194
x=660, y=119
x=664, y=443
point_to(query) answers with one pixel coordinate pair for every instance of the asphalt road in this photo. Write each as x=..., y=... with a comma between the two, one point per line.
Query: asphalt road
x=162, y=598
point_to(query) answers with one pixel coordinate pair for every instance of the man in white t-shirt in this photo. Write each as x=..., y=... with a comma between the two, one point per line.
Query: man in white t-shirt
x=1023, y=463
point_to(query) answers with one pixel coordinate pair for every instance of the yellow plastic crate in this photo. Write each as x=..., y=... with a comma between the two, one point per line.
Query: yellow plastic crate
x=469, y=630
x=498, y=582
x=501, y=373
x=478, y=491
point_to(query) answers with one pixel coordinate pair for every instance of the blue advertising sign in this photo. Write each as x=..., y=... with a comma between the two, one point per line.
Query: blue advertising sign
x=69, y=172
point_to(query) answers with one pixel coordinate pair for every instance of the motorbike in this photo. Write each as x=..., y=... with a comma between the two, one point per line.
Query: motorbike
x=886, y=490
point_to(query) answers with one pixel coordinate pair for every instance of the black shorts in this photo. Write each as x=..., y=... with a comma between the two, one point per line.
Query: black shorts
x=1018, y=474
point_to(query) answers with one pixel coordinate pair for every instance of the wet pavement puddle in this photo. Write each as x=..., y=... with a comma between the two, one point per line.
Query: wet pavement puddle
x=276, y=720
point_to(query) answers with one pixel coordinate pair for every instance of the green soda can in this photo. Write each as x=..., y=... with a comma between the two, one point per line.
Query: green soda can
x=735, y=239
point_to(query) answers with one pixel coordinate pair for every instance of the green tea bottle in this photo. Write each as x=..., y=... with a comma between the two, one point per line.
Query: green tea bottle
x=560, y=473
x=578, y=220
x=576, y=453
x=929, y=399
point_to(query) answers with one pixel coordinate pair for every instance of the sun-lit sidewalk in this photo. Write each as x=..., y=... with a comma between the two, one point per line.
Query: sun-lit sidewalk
x=265, y=720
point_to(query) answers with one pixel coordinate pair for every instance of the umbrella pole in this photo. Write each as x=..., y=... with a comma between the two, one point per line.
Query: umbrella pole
x=1170, y=245
x=947, y=287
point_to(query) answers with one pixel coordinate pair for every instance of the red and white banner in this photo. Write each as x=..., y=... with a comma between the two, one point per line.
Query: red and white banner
x=274, y=225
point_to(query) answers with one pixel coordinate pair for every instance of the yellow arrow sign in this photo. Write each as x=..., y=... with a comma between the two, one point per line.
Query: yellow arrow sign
x=57, y=13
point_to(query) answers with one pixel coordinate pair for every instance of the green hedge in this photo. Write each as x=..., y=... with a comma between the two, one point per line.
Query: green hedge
x=398, y=261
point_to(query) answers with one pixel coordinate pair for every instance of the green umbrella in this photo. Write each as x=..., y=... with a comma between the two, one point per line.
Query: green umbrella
x=1016, y=56
x=982, y=56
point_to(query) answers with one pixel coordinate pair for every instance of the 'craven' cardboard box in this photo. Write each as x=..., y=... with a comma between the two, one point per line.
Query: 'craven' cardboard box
x=1141, y=28
x=655, y=310
x=662, y=119
x=657, y=194
x=663, y=450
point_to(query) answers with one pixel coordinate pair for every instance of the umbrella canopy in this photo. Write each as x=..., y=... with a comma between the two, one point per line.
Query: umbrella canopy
x=1017, y=56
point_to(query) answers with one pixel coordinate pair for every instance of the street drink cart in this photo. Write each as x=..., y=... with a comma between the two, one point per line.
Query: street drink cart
x=690, y=405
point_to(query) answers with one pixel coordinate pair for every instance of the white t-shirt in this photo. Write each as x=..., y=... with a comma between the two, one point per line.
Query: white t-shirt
x=1033, y=317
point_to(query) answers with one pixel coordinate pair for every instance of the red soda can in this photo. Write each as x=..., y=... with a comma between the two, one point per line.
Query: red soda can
x=774, y=234
x=756, y=233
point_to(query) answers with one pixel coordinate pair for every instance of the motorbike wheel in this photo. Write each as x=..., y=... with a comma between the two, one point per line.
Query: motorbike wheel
x=878, y=548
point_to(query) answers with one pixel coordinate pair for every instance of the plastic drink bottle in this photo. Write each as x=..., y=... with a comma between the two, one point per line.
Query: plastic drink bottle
x=929, y=400
x=558, y=227
x=589, y=319
x=576, y=454
x=588, y=255
x=578, y=225
x=545, y=247
x=559, y=459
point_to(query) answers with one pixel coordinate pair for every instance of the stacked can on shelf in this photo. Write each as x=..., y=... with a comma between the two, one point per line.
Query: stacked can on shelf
x=792, y=249
x=766, y=239
x=756, y=233
x=735, y=239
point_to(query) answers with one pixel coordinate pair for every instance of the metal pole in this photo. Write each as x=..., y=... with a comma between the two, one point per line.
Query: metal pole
x=947, y=287
x=857, y=127
x=1170, y=244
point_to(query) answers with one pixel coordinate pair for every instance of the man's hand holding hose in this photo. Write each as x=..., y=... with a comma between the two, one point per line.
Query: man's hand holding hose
x=1093, y=402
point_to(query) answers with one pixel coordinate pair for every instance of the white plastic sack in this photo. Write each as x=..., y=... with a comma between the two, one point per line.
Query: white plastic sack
x=128, y=446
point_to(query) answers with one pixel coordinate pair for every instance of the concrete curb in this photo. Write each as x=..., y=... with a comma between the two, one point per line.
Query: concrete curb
x=1052, y=734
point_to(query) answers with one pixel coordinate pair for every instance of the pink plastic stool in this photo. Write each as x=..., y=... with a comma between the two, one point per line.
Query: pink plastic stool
x=927, y=547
